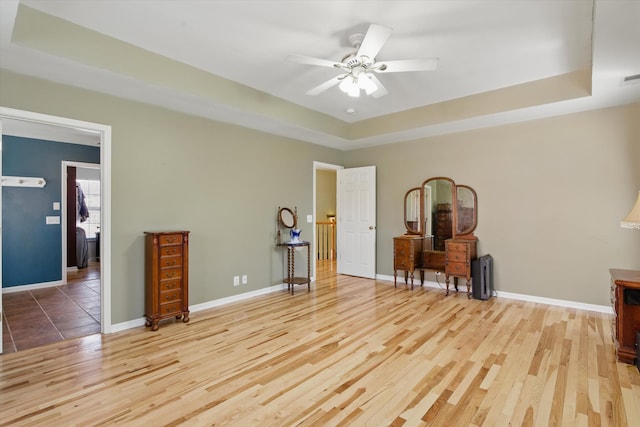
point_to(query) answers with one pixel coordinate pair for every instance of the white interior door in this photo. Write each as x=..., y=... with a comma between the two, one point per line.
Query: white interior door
x=356, y=207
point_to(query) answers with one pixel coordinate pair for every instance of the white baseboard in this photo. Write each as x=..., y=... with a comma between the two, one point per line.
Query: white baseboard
x=521, y=297
x=235, y=298
x=21, y=288
x=204, y=306
x=118, y=327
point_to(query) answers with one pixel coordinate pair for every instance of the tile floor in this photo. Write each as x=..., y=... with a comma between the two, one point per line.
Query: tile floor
x=44, y=316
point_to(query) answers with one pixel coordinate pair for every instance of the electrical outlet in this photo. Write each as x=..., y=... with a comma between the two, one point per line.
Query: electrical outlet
x=236, y=280
x=244, y=279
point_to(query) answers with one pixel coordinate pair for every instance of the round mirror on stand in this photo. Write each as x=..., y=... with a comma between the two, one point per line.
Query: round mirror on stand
x=287, y=218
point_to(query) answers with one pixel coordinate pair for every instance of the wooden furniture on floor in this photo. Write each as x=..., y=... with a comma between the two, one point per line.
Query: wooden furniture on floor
x=407, y=256
x=166, y=276
x=440, y=217
x=458, y=256
x=625, y=294
x=291, y=280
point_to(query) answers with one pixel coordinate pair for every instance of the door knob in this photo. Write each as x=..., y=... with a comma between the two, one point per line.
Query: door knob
x=372, y=227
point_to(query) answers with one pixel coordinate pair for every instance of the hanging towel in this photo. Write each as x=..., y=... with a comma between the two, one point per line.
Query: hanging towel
x=83, y=211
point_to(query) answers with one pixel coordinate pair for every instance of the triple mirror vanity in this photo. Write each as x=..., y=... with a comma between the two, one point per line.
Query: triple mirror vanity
x=440, y=217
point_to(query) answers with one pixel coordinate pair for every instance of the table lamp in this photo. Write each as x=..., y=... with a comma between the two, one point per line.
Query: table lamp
x=632, y=220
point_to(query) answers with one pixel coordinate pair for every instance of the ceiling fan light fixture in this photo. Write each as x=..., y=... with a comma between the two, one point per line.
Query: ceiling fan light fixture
x=365, y=82
x=349, y=85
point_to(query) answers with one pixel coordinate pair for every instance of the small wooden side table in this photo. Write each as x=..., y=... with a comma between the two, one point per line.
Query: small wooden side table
x=625, y=288
x=291, y=280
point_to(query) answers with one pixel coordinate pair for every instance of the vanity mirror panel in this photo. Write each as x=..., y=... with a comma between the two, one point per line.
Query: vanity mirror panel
x=466, y=210
x=413, y=211
x=438, y=207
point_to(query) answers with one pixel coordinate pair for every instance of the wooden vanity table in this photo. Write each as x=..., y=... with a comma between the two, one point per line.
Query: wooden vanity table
x=440, y=218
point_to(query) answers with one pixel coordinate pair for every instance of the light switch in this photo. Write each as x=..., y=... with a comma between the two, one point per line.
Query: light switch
x=53, y=220
x=56, y=206
x=309, y=219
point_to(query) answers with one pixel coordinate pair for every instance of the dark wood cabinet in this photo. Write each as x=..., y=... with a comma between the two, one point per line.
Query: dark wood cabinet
x=442, y=225
x=625, y=294
x=166, y=276
x=458, y=256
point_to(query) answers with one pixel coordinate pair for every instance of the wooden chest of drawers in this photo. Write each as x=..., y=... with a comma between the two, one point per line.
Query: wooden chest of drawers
x=459, y=254
x=166, y=276
x=407, y=256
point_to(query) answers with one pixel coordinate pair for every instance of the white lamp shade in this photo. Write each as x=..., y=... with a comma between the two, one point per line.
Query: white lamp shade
x=632, y=220
x=350, y=86
x=365, y=82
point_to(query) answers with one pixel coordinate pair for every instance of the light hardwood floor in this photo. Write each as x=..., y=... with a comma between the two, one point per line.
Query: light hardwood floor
x=351, y=352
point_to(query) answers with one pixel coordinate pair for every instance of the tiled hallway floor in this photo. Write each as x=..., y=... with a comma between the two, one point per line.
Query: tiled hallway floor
x=44, y=316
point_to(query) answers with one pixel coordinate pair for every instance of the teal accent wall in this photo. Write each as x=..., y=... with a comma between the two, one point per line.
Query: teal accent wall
x=31, y=249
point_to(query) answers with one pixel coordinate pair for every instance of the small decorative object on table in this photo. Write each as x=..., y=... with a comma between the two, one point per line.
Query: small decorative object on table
x=295, y=235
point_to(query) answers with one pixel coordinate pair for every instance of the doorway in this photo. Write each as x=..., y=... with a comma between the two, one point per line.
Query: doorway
x=323, y=205
x=51, y=127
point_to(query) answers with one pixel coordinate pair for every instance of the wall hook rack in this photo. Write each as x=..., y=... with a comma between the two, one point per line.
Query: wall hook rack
x=23, y=181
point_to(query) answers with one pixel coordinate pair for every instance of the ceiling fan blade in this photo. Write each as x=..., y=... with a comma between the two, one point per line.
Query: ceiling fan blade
x=312, y=61
x=427, y=64
x=376, y=36
x=326, y=85
x=381, y=89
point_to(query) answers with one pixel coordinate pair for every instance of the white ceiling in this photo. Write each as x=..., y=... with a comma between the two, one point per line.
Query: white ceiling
x=482, y=46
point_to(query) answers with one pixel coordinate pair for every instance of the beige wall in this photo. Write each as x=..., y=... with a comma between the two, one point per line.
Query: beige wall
x=172, y=171
x=325, y=194
x=551, y=194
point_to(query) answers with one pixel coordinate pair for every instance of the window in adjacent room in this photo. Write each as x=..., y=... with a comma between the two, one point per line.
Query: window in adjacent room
x=91, y=191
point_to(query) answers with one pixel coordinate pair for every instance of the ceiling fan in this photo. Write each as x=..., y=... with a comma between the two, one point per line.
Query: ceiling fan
x=359, y=67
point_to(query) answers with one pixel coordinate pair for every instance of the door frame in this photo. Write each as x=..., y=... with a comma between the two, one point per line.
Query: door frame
x=104, y=134
x=316, y=167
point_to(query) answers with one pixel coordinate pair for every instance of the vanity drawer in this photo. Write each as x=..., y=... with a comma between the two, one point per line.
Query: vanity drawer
x=457, y=256
x=457, y=247
x=456, y=268
x=406, y=252
x=434, y=260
